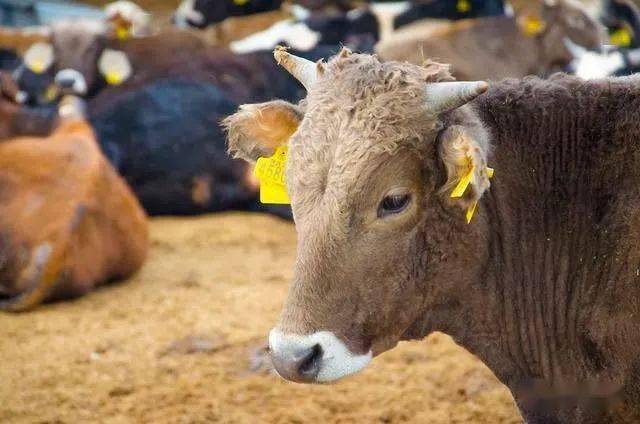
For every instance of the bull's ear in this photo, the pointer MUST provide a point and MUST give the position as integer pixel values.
(465, 160)
(257, 130)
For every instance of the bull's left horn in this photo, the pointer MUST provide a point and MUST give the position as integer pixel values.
(302, 69)
(445, 96)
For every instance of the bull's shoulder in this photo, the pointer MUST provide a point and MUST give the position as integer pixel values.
(562, 91)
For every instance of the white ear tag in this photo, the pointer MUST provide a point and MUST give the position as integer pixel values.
(39, 57)
(114, 66)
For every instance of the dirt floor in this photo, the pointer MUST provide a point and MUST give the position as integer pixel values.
(182, 343)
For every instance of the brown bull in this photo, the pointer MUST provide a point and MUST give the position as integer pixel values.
(399, 234)
(68, 222)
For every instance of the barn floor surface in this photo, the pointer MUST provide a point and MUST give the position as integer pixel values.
(182, 343)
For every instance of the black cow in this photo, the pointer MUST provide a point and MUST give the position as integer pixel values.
(165, 140)
(202, 13)
(451, 10)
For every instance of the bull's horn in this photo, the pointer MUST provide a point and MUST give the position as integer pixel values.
(445, 96)
(303, 70)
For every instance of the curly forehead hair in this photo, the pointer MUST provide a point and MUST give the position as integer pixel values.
(376, 105)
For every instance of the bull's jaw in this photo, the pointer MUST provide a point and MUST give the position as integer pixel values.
(320, 357)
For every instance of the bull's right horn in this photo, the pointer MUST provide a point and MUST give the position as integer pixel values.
(302, 69)
(446, 96)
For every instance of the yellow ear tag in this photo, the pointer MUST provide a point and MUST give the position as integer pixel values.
(36, 67)
(532, 25)
(51, 93)
(123, 33)
(113, 78)
(271, 173)
(621, 37)
(240, 2)
(463, 6)
(462, 186)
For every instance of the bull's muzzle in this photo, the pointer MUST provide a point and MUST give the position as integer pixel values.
(315, 358)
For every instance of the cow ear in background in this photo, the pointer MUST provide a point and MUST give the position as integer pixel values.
(39, 57)
(257, 130)
(114, 65)
(465, 161)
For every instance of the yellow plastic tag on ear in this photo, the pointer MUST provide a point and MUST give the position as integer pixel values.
(113, 78)
(463, 6)
(51, 93)
(490, 172)
(471, 210)
(240, 2)
(36, 67)
(533, 25)
(621, 37)
(271, 173)
(462, 186)
(123, 33)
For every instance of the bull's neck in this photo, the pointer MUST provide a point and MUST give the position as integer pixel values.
(557, 238)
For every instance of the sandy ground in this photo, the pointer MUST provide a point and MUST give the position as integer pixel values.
(181, 343)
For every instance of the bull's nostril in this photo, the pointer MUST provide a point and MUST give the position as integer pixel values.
(310, 365)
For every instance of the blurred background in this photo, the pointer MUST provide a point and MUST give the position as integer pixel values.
(114, 173)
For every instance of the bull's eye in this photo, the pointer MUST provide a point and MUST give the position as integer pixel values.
(393, 204)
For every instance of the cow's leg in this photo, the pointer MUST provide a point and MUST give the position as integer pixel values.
(39, 277)
(45, 271)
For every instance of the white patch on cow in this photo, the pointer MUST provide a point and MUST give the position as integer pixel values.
(71, 107)
(337, 360)
(78, 83)
(299, 13)
(186, 13)
(21, 97)
(386, 14)
(592, 65)
(508, 10)
(87, 25)
(295, 34)
(139, 19)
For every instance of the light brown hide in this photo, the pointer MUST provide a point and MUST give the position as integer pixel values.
(497, 47)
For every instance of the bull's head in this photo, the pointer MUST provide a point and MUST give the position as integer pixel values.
(71, 57)
(375, 151)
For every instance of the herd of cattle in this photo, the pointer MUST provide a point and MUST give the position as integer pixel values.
(152, 95)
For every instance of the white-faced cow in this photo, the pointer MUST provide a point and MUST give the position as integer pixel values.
(387, 163)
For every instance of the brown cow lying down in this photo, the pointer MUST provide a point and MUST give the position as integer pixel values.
(68, 222)
(386, 164)
(531, 43)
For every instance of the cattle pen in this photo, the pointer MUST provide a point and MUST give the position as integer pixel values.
(184, 341)
(417, 206)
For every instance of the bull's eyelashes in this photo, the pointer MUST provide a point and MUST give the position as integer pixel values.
(393, 204)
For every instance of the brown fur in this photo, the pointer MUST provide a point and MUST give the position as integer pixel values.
(543, 285)
(68, 222)
(496, 48)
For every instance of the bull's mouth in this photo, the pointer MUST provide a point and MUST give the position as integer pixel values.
(320, 357)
